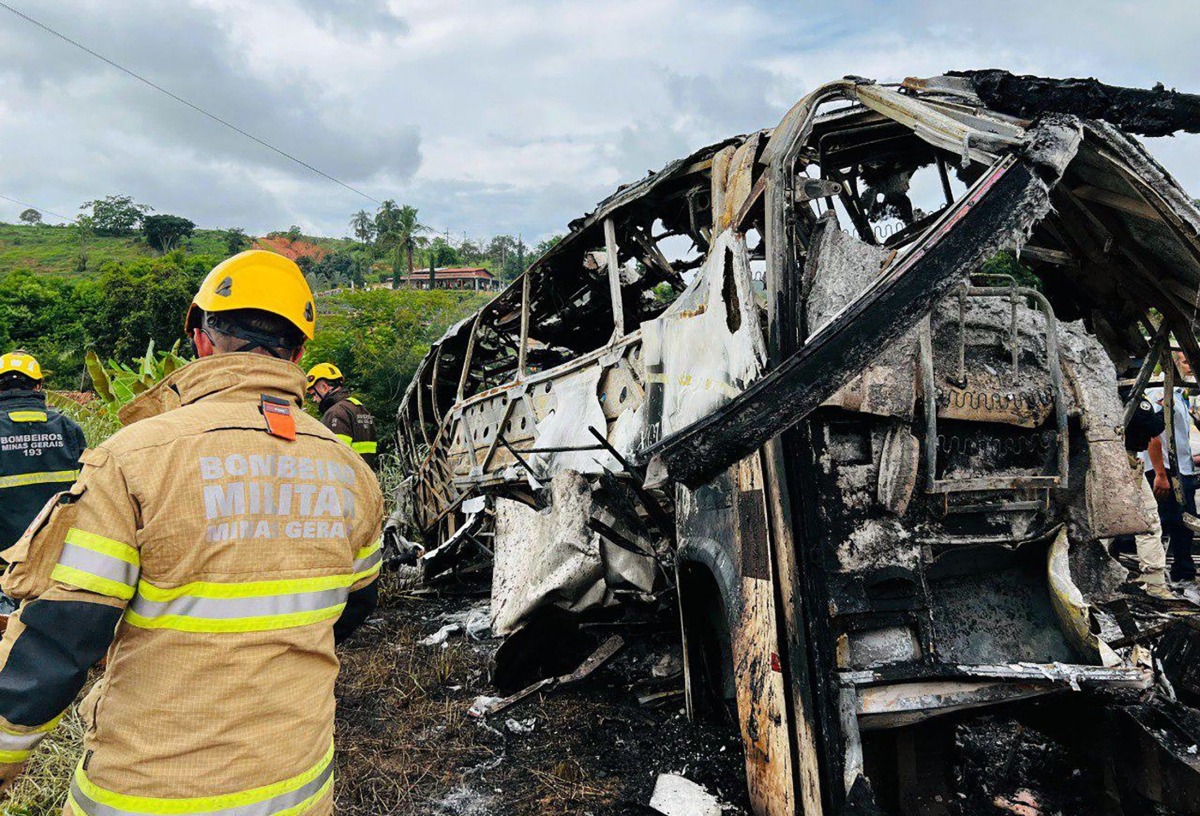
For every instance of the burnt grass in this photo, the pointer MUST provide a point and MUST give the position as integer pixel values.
(406, 744)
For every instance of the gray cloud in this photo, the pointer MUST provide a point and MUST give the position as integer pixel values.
(489, 117)
(86, 128)
(363, 17)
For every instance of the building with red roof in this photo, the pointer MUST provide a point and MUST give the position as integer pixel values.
(475, 278)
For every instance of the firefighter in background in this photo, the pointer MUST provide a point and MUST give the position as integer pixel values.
(234, 540)
(39, 449)
(1142, 439)
(1174, 509)
(342, 413)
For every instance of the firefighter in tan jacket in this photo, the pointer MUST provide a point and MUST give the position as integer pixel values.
(215, 549)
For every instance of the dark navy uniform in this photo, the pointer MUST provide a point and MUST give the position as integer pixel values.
(39, 456)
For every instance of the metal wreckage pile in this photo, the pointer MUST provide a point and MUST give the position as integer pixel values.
(879, 481)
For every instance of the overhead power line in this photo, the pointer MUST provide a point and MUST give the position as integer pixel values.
(39, 209)
(183, 101)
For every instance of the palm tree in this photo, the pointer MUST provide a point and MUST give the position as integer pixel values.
(364, 226)
(397, 227)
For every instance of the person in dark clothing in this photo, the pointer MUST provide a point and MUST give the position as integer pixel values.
(341, 412)
(1143, 436)
(39, 447)
(1183, 468)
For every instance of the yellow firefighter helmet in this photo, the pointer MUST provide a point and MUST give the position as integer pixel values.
(323, 371)
(21, 363)
(257, 279)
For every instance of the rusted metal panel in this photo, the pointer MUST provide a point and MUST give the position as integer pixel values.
(794, 640)
(739, 185)
(756, 654)
(719, 182)
(752, 525)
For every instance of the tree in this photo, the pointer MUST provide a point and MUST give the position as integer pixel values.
(545, 245)
(116, 311)
(235, 240)
(116, 214)
(470, 253)
(1007, 263)
(500, 247)
(444, 254)
(30, 216)
(387, 222)
(336, 267)
(294, 233)
(359, 269)
(164, 232)
(142, 300)
(49, 317)
(364, 226)
(397, 229)
(502, 253)
(85, 230)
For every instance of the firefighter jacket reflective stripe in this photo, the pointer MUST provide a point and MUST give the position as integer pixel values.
(102, 565)
(16, 746)
(39, 456)
(351, 421)
(257, 606)
(295, 795)
(231, 559)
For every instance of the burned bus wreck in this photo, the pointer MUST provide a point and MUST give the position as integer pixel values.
(783, 376)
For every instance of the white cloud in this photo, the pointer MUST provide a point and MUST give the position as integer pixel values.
(488, 115)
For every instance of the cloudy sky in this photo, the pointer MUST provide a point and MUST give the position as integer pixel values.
(488, 115)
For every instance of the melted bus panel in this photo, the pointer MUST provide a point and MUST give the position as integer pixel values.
(857, 386)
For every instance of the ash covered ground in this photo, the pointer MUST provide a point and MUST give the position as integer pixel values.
(406, 743)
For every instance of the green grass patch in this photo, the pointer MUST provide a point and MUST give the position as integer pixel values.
(55, 250)
(42, 789)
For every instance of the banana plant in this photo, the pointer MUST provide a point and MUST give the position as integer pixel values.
(118, 383)
(92, 416)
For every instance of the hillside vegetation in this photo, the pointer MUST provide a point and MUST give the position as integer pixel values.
(120, 276)
(55, 249)
(386, 245)
(129, 297)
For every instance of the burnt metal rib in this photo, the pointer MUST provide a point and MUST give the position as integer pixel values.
(1147, 112)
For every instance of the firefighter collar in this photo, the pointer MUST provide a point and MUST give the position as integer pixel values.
(32, 397)
(333, 398)
(238, 376)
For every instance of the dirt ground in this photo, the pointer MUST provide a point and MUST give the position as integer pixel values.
(407, 745)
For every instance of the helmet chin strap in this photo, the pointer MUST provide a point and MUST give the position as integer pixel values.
(254, 339)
